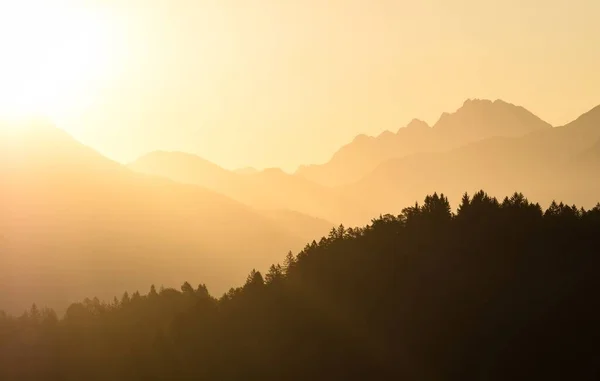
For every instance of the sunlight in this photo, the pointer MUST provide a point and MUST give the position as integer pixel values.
(53, 54)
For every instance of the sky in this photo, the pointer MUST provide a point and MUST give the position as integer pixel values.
(271, 83)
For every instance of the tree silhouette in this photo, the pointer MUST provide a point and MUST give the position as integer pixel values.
(499, 290)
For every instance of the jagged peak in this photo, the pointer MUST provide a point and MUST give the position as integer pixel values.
(476, 101)
(385, 134)
(500, 113)
(482, 102)
(442, 117)
(417, 123)
(362, 138)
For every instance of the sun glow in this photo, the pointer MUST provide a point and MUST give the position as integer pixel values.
(52, 55)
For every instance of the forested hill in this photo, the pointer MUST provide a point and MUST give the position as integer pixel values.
(499, 290)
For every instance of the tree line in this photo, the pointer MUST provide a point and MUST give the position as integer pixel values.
(498, 290)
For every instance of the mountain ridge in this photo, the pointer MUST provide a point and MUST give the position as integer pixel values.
(269, 189)
(73, 221)
(476, 119)
(544, 163)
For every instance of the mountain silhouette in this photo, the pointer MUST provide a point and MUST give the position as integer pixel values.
(303, 225)
(591, 156)
(246, 171)
(186, 168)
(496, 289)
(415, 124)
(475, 120)
(543, 163)
(73, 222)
(270, 189)
(481, 118)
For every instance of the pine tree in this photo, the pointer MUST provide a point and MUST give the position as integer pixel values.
(187, 288)
(152, 292)
(275, 274)
(289, 262)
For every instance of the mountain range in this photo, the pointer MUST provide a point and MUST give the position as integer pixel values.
(74, 223)
(475, 120)
(549, 163)
(486, 144)
(270, 189)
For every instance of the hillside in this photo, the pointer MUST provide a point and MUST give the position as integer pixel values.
(307, 227)
(590, 157)
(246, 171)
(541, 163)
(73, 223)
(499, 290)
(270, 189)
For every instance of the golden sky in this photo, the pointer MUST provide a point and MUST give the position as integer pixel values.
(281, 83)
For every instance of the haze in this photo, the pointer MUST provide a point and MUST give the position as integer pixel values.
(209, 77)
(308, 190)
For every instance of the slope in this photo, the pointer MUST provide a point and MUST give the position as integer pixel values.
(73, 223)
(475, 120)
(270, 189)
(541, 164)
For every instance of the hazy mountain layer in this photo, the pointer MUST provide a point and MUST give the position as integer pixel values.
(475, 120)
(73, 223)
(484, 145)
(497, 289)
(271, 189)
(546, 164)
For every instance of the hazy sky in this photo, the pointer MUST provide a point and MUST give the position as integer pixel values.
(280, 83)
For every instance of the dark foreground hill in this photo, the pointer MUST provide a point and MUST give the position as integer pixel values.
(497, 291)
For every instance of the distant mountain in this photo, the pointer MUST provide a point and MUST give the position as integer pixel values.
(186, 168)
(246, 171)
(475, 120)
(591, 156)
(309, 228)
(481, 118)
(545, 163)
(587, 161)
(262, 190)
(270, 189)
(73, 223)
(577, 136)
